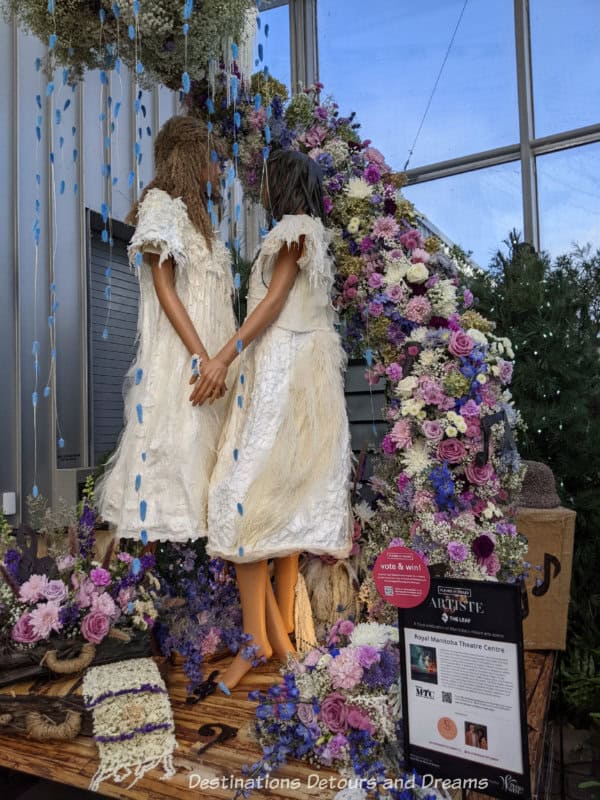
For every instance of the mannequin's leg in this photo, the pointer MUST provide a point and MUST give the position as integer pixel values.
(276, 629)
(252, 582)
(286, 575)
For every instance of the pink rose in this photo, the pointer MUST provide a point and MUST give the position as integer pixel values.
(473, 427)
(55, 590)
(470, 409)
(23, 632)
(95, 627)
(375, 309)
(86, 593)
(100, 577)
(460, 344)
(306, 714)
(451, 450)
(395, 293)
(351, 280)
(350, 293)
(411, 239)
(479, 475)
(65, 562)
(433, 430)
(376, 157)
(333, 713)
(375, 280)
(491, 564)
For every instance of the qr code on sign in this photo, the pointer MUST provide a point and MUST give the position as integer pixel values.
(388, 591)
(446, 697)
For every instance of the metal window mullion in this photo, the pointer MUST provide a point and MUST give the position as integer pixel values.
(526, 123)
(304, 48)
(16, 200)
(469, 163)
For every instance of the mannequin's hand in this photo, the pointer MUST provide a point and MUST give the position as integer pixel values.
(211, 383)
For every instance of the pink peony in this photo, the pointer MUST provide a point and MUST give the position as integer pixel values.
(55, 590)
(375, 309)
(95, 627)
(394, 371)
(33, 589)
(479, 476)
(418, 309)
(433, 430)
(344, 670)
(334, 711)
(401, 434)
(23, 631)
(451, 450)
(100, 577)
(44, 619)
(460, 344)
(385, 228)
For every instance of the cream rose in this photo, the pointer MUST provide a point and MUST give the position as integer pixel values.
(406, 386)
(417, 273)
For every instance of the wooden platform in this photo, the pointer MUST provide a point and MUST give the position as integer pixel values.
(75, 762)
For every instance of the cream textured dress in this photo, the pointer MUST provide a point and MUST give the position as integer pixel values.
(281, 484)
(167, 449)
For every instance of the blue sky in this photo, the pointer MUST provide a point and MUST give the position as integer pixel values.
(381, 60)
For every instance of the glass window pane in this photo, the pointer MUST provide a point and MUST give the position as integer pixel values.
(475, 210)
(569, 200)
(276, 43)
(382, 61)
(565, 52)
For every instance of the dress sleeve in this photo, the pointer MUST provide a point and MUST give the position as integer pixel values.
(315, 260)
(160, 228)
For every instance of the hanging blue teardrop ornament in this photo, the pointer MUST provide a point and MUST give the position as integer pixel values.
(138, 376)
(61, 443)
(242, 379)
(257, 101)
(237, 119)
(105, 334)
(261, 52)
(239, 345)
(237, 281)
(46, 391)
(34, 399)
(185, 83)
(136, 566)
(236, 454)
(144, 536)
(143, 509)
(35, 491)
(234, 51)
(138, 482)
(52, 41)
(369, 356)
(240, 552)
(240, 401)
(140, 413)
(240, 509)
(210, 106)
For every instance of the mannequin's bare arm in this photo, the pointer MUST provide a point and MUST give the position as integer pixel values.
(164, 284)
(266, 312)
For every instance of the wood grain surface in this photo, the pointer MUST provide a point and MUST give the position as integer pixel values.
(75, 762)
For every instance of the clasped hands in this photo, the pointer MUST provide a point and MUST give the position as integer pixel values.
(210, 383)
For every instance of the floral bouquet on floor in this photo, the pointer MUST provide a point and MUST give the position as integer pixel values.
(339, 706)
(66, 610)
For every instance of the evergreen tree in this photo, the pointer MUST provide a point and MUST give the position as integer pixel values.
(551, 313)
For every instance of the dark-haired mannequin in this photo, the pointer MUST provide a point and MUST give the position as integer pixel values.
(281, 481)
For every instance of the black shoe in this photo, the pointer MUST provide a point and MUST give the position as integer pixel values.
(204, 689)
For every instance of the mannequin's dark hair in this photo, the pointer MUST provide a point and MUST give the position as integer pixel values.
(294, 185)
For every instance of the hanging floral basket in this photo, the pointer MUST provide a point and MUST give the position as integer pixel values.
(158, 39)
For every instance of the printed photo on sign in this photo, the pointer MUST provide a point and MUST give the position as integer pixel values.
(476, 735)
(423, 663)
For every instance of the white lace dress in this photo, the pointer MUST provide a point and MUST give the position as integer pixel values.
(281, 483)
(157, 479)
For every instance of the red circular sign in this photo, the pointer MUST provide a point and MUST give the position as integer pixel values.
(401, 577)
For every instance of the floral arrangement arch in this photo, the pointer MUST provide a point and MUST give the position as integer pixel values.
(449, 473)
